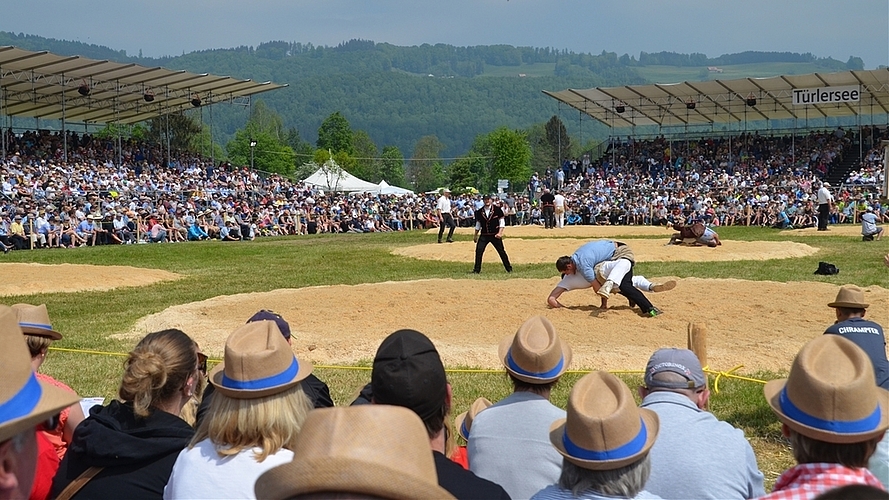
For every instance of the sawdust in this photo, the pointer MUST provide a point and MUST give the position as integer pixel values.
(535, 251)
(29, 279)
(760, 325)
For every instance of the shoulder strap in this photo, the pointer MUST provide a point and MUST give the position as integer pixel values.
(75, 486)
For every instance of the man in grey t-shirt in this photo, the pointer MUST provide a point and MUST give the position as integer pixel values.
(717, 461)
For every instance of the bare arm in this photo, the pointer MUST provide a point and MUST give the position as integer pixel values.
(553, 299)
(75, 416)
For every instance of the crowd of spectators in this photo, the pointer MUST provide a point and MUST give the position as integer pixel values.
(110, 192)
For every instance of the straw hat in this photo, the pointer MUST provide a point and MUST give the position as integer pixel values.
(850, 296)
(376, 450)
(603, 429)
(535, 354)
(463, 422)
(34, 320)
(258, 362)
(25, 401)
(830, 394)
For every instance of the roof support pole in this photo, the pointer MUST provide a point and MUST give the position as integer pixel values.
(117, 122)
(64, 132)
(212, 152)
(2, 132)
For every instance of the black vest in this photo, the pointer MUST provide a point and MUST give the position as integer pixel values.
(491, 223)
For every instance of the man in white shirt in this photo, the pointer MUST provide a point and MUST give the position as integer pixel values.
(825, 203)
(869, 229)
(559, 201)
(445, 218)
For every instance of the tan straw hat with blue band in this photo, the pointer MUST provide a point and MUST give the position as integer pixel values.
(34, 320)
(831, 393)
(258, 362)
(603, 428)
(535, 354)
(24, 400)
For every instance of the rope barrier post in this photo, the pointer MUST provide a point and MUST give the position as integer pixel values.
(697, 341)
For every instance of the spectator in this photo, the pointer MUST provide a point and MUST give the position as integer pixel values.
(833, 414)
(39, 335)
(515, 428)
(407, 371)
(850, 309)
(375, 451)
(869, 229)
(29, 402)
(253, 421)
(316, 390)
(463, 424)
(717, 461)
(605, 441)
(128, 447)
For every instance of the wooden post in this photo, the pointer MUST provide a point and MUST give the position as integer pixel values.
(697, 341)
(748, 215)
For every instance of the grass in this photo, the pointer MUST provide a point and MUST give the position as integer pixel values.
(87, 319)
(675, 74)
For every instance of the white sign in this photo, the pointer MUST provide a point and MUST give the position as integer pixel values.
(826, 95)
(502, 183)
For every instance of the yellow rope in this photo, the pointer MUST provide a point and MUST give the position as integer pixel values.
(729, 374)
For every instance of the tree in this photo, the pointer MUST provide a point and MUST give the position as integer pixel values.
(461, 174)
(511, 156)
(392, 166)
(366, 165)
(558, 140)
(425, 170)
(302, 149)
(266, 120)
(335, 134)
(268, 155)
(177, 128)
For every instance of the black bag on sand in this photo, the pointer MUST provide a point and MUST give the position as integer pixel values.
(826, 269)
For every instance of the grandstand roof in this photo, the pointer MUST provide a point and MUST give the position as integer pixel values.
(725, 101)
(46, 86)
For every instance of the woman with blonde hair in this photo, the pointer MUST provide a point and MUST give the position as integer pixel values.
(127, 449)
(255, 416)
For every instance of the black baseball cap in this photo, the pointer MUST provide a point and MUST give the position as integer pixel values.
(408, 372)
(266, 315)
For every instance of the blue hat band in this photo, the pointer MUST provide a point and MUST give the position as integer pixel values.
(263, 383)
(866, 424)
(463, 429)
(521, 371)
(628, 450)
(22, 402)
(36, 325)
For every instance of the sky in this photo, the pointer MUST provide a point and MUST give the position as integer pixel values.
(712, 27)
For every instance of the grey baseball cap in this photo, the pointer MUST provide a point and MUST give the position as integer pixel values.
(679, 361)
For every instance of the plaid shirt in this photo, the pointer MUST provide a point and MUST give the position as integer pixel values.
(806, 481)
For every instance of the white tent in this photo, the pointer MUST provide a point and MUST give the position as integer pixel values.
(334, 178)
(385, 188)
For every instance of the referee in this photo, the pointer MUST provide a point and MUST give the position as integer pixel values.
(489, 221)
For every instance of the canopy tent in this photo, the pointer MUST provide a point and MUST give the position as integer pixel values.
(385, 188)
(730, 101)
(337, 179)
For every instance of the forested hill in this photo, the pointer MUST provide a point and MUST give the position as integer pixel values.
(399, 94)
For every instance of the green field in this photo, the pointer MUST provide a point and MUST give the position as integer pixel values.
(676, 74)
(87, 319)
